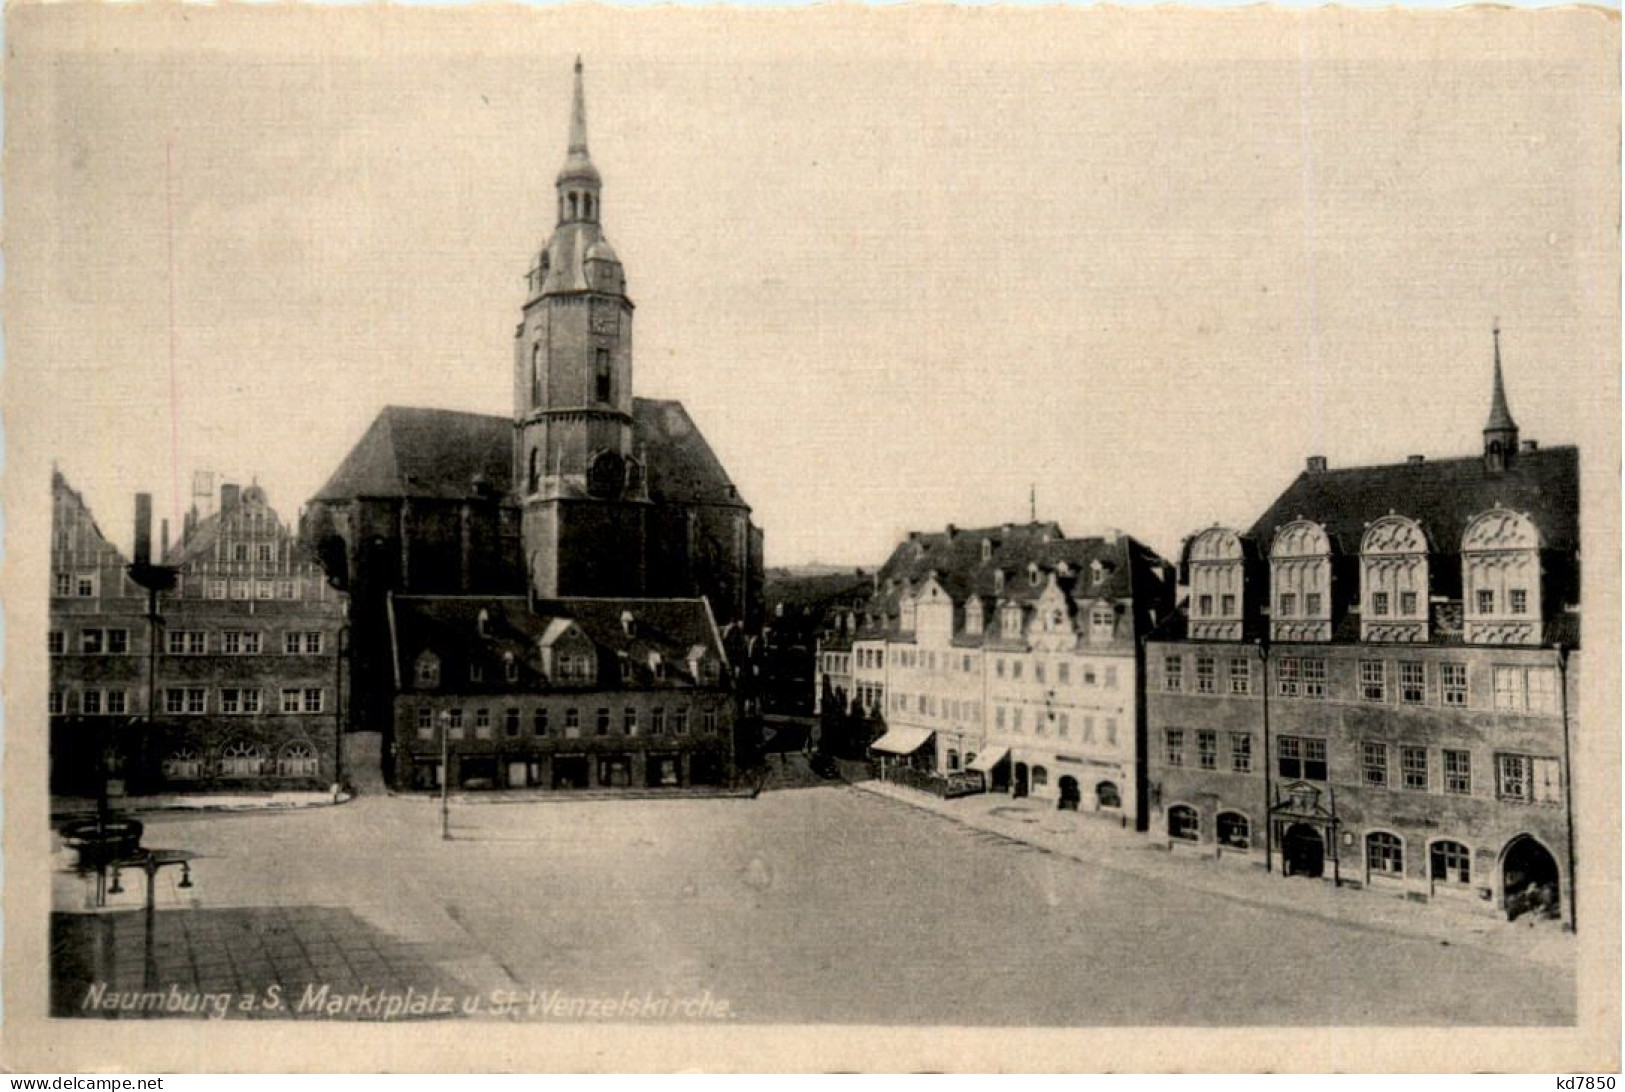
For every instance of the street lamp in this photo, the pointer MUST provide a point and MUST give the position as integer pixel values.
(445, 775)
(1269, 758)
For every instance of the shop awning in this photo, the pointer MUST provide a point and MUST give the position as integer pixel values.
(902, 741)
(984, 762)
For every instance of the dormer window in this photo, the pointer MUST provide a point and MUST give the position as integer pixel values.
(626, 669)
(1102, 623)
(998, 581)
(628, 623)
(510, 667)
(973, 617)
(1301, 566)
(1012, 620)
(987, 550)
(476, 673)
(1500, 577)
(426, 671)
(1032, 576)
(1393, 580)
(1097, 571)
(1216, 568)
(484, 623)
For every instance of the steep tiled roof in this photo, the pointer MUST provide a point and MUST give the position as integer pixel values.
(442, 454)
(1442, 496)
(449, 626)
(437, 453)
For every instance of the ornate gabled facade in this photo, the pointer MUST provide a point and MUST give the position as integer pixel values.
(585, 490)
(1393, 705)
(227, 676)
(1008, 658)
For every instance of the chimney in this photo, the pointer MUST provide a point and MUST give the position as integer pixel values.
(229, 495)
(1531, 445)
(163, 538)
(1413, 460)
(143, 530)
(1317, 464)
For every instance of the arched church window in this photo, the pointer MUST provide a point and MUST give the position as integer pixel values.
(586, 205)
(573, 200)
(604, 386)
(535, 468)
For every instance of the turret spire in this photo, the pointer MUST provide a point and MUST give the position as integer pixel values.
(578, 116)
(1501, 432)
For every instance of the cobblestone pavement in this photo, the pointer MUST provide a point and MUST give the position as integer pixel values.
(812, 905)
(1101, 843)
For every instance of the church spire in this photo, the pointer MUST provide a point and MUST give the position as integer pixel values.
(1501, 432)
(578, 181)
(578, 116)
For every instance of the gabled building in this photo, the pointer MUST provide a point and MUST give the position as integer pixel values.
(224, 673)
(1013, 653)
(1374, 683)
(560, 694)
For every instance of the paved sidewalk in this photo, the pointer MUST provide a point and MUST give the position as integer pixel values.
(74, 807)
(1095, 841)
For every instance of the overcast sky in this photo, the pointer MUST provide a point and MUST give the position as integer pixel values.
(900, 267)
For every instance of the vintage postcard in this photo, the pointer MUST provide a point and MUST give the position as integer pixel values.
(1078, 566)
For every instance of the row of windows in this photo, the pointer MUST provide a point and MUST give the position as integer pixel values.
(1517, 689)
(241, 700)
(1518, 778)
(1516, 601)
(241, 758)
(457, 722)
(116, 642)
(1011, 719)
(969, 712)
(85, 586)
(1451, 862)
(93, 703)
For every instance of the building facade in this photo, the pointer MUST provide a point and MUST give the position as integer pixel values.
(219, 668)
(583, 491)
(1375, 683)
(1013, 653)
(561, 694)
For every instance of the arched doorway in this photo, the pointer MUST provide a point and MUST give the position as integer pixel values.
(1019, 786)
(1529, 880)
(1071, 796)
(1302, 851)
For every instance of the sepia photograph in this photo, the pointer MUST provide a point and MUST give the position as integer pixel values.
(1078, 569)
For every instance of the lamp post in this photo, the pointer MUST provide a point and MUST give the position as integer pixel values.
(445, 775)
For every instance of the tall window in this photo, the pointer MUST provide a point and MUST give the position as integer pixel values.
(603, 721)
(1206, 675)
(1486, 601)
(1288, 677)
(1184, 823)
(1374, 763)
(1379, 603)
(1207, 750)
(1174, 750)
(538, 722)
(1451, 863)
(1384, 854)
(1240, 675)
(657, 721)
(629, 720)
(1407, 603)
(1453, 684)
(1289, 604)
(1314, 678)
(1204, 605)
(1413, 682)
(1518, 601)
(1374, 680)
(1311, 604)
(1241, 752)
(1458, 773)
(1413, 767)
(1173, 673)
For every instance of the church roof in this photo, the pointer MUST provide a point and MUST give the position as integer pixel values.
(443, 454)
(1442, 496)
(426, 453)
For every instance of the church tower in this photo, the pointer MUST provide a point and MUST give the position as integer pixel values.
(580, 485)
